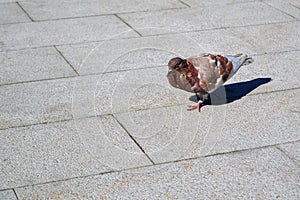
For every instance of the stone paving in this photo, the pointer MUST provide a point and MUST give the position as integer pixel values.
(87, 112)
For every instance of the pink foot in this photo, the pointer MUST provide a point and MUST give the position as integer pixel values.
(197, 106)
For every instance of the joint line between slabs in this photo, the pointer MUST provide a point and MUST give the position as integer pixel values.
(25, 11)
(122, 20)
(132, 138)
(184, 3)
(141, 167)
(60, 53)
(287, 155)
(294, 5)
(15, 194)
(279, 10)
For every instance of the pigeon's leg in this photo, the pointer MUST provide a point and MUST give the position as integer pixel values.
(201, 99)
(205, 97)
(198, 97)
(197, 106)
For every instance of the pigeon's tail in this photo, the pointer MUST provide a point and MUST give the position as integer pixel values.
(238, 60)
(243, 59)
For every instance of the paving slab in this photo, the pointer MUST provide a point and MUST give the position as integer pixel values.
(165, 133)
(62, 99)
(152, 51)
(54, 100)
(285, 6)
(57, 9)
(68, 31)
(222, 41)
(127, 54)
(193, 19)
(57, 151)
(253, 121)
(137, 90)
(278, 66)
(136, 53)
(270, 38)
(257, 174)
(12, 13)
(7, 194)
(170, 133)
(124, 91)
(295, 3)
(33, 64)
(258, 39)
(37, 102)
(202, 3)
(292, 149)
(7, 1)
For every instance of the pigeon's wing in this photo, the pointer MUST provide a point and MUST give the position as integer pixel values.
(213, 70)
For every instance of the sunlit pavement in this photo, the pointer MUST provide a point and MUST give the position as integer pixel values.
(87, 111)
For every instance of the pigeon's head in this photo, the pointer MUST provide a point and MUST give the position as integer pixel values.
(177, 74)
(177, 64)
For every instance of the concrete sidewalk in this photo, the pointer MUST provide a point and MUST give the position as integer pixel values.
(87, 112)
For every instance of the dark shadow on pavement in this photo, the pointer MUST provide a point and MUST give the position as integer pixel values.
(232, 92)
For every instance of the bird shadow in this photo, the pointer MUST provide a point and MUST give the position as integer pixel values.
(232, 92)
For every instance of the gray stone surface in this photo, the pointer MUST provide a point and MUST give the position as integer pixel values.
(165, 133)
(222, 41)
(134, 53)
(204, 3)
(188, 19)
(289, 7)
(270, 38)
(278, 66)
(57, 151)
(295, 3)
(56, 100)
(119, 130)
(37, 102)
(12, 13)
(6, 1)
(126, 54)
(136, 90)
(33, 64)
(251, 39)
(7, 194)
(256, 174)
(157, 50)
(68, 31)
(292, 149)
(170, 133)
(253, 121)
(56, 9)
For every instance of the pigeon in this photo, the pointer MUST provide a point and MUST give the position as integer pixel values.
(204, 73)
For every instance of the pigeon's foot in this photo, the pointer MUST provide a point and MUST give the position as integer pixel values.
(197, 106)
